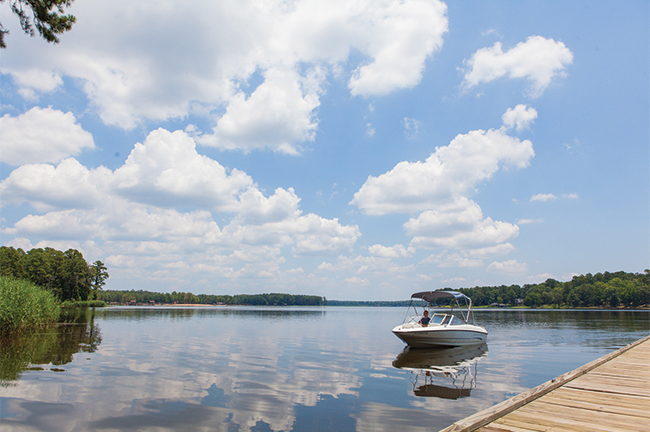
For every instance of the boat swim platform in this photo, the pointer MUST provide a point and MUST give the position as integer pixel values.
(611, 393)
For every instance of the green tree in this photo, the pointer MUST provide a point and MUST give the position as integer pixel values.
(611, 296)
(11, 262)
(38, 268)
(557, 296)
(76, 277)
(572, 299)
(533, 299)
(46, 16)
(98, 276)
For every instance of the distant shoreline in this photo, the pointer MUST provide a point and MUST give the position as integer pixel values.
(351, 304)
(618, 291)
(164, 304)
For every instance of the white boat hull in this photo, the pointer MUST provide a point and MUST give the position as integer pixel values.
(417, 336)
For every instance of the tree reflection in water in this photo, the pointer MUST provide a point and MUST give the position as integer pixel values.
(47, 348)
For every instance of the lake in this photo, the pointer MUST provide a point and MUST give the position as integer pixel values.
(284, 368)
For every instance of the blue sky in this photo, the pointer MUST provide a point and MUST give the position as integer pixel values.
(355, 150)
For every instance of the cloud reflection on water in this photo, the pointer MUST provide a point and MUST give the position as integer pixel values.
(276, 369)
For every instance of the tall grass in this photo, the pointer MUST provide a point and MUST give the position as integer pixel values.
(24, 306)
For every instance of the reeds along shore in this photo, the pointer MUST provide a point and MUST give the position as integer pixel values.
(25, 306)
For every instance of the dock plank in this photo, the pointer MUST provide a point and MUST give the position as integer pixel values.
(631, 373)
(516, 426)
(563, 413)
(622, 404)
(573, 421)
(611, 393)
(609, 388)
(609, 378)
(493, 427)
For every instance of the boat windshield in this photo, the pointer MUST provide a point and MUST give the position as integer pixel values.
(428, 301)
(437, 318)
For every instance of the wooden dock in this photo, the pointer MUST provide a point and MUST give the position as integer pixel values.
(611, 393)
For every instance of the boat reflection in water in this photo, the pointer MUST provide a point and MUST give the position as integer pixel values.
(448, 373)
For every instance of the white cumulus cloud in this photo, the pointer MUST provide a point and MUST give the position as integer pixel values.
(402, 35)
(35, 81)
(217, 51)
(500, 249)
(439, 189)
(41, 135)
(446, 259)
(450, 172)
(47, 187)
(543, 197)
(396, 251)
(519, 117)
(277, 115)
(539, 60)
(510, 266)
(550, 197)
(160, 210)
(458, 229)
(166, 170)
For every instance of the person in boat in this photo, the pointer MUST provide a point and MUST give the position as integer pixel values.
(425, 319)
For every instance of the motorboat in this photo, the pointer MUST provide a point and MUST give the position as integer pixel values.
(448, 373)
(445, 328)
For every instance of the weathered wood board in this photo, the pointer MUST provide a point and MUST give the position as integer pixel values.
(609, 394)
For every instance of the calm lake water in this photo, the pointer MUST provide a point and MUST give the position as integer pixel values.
(284, 369)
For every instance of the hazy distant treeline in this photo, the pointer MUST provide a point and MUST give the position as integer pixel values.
(602, 289)
(599, 290)
(367, 303)
(273, 299)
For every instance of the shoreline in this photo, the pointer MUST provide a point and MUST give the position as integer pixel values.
(524, 308)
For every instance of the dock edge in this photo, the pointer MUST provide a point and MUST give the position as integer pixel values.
(488, 415)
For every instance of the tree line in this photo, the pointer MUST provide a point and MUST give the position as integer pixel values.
(599, 290)
(66, 275)
(373, 303)
(271, 299)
